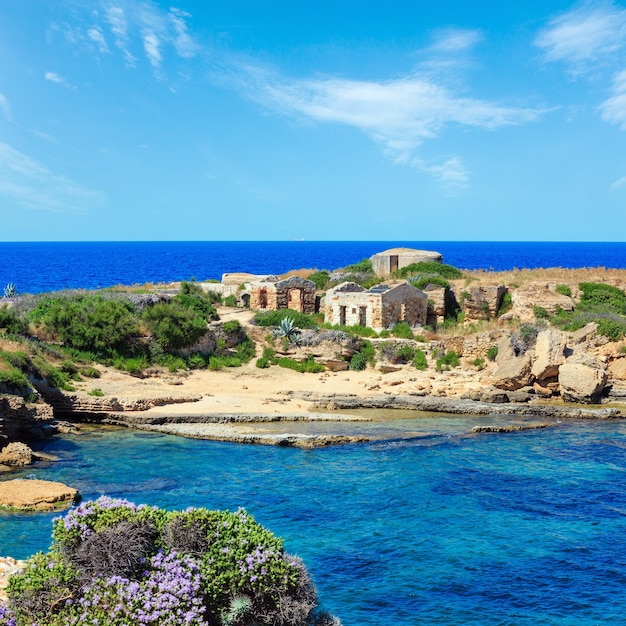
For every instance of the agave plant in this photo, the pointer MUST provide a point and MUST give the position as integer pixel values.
(287, 329)
(10, 291)
(240, 606)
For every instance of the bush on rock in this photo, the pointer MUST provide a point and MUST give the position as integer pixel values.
(115, 563)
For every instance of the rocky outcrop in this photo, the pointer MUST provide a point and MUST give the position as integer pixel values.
(582, 381)
(36, 495)
(16, 454)
(549, 354)
(526, 298)
(22, 420)
(514, 372)
(8, 567)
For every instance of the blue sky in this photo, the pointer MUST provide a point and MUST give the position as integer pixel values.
(247, 120)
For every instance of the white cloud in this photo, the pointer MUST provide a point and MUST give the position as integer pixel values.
(97, 36)
(398, 114)
(451, 40)
(30, 184)
(584, 35)
(151, 46)
(183, 42)
(116, 19)
(613, 109)
(53, 77)
(4, 107)
(621, 182)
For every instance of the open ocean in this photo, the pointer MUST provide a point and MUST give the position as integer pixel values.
(443, 528)
(39, 267)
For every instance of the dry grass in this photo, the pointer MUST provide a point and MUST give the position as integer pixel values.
(301, 273)
(559, 275)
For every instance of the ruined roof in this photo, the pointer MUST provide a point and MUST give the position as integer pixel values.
(408, 251)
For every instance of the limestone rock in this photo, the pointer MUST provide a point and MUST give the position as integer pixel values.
(39, 495)
(538, 294)
(583, 335)
(513, 373)
(582, 381)
(16, 454)
(8, 567)
(617, 369)
(549, 353)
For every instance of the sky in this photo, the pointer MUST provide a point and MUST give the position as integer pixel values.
(404, 120)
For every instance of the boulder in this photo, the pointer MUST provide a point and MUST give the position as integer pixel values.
(527, 297)
(513, 373)
(583, 335)
(582, 381)
(481, 302)
(617, 369)
(16, 454)
(38, 495)
(549, 353)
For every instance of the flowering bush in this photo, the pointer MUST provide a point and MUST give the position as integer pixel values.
(113, 563)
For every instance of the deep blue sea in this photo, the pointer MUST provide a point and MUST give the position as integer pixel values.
(447, 528)
(520, 529)
(39, 267)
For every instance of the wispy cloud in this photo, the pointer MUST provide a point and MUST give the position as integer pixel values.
(53, 77)
(584, 36)
(32, 185)
(613, 109)
(5, 108)
(398, 114)
(618, 184)
(453, 40)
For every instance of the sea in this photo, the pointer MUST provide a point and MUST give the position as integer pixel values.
(434, 525)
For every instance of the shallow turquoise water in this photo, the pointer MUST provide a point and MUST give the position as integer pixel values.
(525, 528)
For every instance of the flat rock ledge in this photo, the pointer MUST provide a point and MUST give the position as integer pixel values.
(36, 495)
(459, 407)
(510, 428)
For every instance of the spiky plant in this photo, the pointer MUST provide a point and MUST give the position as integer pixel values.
(240, 606)
(287, 329)
(10, 291)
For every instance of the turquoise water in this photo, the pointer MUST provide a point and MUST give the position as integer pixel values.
(525, 528)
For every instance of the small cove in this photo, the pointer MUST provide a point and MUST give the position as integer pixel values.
(440, 527)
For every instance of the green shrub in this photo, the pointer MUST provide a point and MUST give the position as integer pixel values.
(54, 376)
(540, 313)
(353, 331)
(231, 327)
(321, 279)
(405, 354)
(132, 365)
(308, 365)
(96, 391)
(402, 330)
(420, 338)
(230, 300)
(420, 361)
(448, 360)
(111, 562)
(14, 379)
(11, 322)
(87, 322)
(564, 290)
(594, 294)
(479, 363)
(173, 326)
(423, 282)
(431, 268)
(363, 266)
(492, 353)
(90, 372)
(358, 361)
(262, 363)
(614, 329)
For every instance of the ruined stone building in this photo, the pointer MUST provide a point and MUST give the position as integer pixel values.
(378, 308)
(289, 293)
(387, 262)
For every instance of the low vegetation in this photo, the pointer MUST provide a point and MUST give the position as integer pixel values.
(113, 563)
